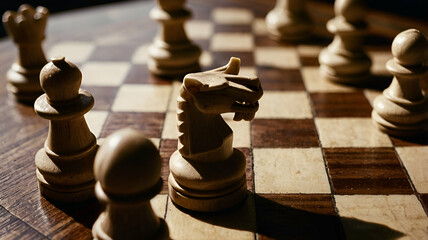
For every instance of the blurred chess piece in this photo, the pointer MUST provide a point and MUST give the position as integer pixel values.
(64, 165)
(289, 21)
(172, 54)
(128, 168)
(345, 60)
(402, 110)
(27, 29)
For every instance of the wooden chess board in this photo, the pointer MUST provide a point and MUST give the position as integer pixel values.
(316, 166)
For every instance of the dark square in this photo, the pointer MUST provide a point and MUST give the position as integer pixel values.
(349, 104)
(366, 171)
(424, 198)
(166, 148)
(104, 96)
(139, 73)
(235, 28)
(113, 53)
(149, 123)
(297, 216)
(288, 133)
(266, 41)
(222, 58)
(309, 61)
(280, 79)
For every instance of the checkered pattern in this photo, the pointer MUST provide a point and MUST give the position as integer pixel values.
(315, 163)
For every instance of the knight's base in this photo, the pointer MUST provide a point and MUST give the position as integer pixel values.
(399, 130)
(66, 194)
(208, 204)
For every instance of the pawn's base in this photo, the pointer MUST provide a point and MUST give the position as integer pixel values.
(100, 234)
(207, 204)
(352, 79)
(399, 130)
(172, 72)
(67, 194)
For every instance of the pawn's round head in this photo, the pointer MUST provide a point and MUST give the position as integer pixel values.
(410, 48)
(60, 79)
(127, 163)
(351, 10)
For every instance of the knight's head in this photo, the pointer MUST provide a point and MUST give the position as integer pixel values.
(222, 90)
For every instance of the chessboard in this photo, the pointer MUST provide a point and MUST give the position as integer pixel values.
(317, 168)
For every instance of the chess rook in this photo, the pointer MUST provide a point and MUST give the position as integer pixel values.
(172, 54)
(207, 173)
(402, 110)
(289, 21)
(27, 29)
(64, 165)
(128, 168)
(344, 60)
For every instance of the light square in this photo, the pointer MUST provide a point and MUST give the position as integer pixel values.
(402, 214)
(350, 132)
(199, 29)
(232, 42)
(169, 130)
(415, 160)
(182, 225)
(248, 71)
(279, 57)
(95, 121)
(259, 27)
(379, 59)
(175, 92)
(290, 170)
(315, 83)
(104, 73)
(159, 204)
(281, 104)
(141, 54)
(241, 131)
(75, 52)
(232, 16)
(309, 50)
(142, 98)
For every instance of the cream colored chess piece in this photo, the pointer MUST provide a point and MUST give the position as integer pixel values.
(289, 21)
(402, 110)
(64, 165)
(128, 168)
(172, 54)
(344, 60)
(27, 29)
(207, 173)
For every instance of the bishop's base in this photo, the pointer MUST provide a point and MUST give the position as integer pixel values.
(399, 130)
(208, 204)
(67, 194)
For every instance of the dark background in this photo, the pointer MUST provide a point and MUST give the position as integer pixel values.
(416, 9)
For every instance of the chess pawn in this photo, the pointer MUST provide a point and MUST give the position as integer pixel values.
(344, 60)
(289, 21)
(172, 54)
(26, 27)
(64, 165)
(128, 168)
(402, 109)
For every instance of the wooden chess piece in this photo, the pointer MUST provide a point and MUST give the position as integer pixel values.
(128, 168)
(207, 173)
(344, 60)
(64, 165)
(289, 21)
(402, 109)
(27, 29)
(172, 54)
